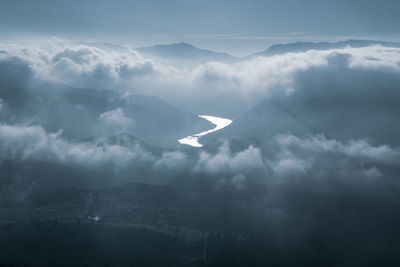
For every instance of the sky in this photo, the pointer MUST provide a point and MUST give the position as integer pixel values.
(239, 27)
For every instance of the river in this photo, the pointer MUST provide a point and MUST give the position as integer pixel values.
(193, 140)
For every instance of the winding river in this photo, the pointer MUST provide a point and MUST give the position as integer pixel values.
(193, 140)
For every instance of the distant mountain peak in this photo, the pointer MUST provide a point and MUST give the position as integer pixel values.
(171, 45)
(301, 46)
(183, 44)
(183, 50)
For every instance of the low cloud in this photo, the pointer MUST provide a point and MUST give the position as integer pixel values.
(224, 160)
(115, 122)
(172, 160)
(328, 94)
(353, 148)
(127, 70)
(34, 143)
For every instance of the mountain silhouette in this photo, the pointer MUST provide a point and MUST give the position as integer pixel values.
(305, 46)
(184, 54)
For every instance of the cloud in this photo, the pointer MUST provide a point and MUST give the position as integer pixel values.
(34, 143)
(172, 160)
(353, 148)
(80, 65)
(223, 160)
(92, 66)
(114, 122)
(116, 117)
(291, 165)
(325, 160)
(329, 93)
(127, 70)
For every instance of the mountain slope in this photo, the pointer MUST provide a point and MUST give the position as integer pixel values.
(146, 117)
(337, 101)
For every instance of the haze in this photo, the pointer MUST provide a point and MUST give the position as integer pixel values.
(199, 133)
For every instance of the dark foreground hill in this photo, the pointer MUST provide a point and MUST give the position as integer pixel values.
(195, 224)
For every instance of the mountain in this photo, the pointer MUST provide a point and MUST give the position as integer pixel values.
(160, 123)
(261, 123)
(362, 105)
(183, 50)
(145, 117)
(305, 119)
(184, 54)
(305, 46)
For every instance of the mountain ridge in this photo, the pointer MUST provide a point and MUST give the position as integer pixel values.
(183, 50)
(278, 49)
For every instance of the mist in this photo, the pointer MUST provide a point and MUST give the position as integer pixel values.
(163, 151)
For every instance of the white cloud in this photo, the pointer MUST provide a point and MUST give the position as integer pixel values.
(83, 65)
(115, 122)
(291, 165)
(33, 142)
(353, 148)
(116, 117)
(247, 160)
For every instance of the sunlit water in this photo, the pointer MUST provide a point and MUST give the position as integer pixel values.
(193, 140)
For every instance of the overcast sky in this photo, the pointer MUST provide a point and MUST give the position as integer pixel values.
(238, 26)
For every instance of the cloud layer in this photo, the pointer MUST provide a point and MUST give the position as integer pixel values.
(93, 136)
(128, 71)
